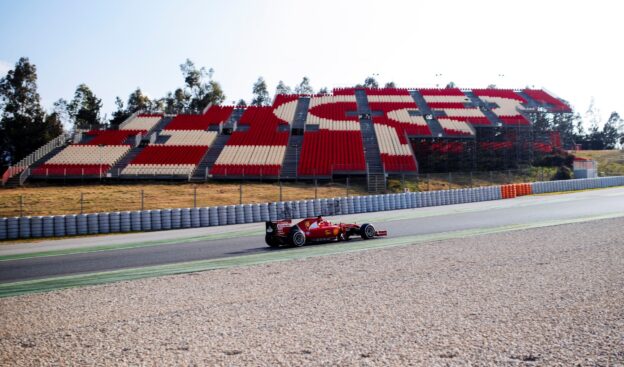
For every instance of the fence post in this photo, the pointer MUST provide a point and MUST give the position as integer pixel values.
(471, 182)
(194, 196)
(315, 189)
(450, 180)
(81, 203)
(347, 186)
(280, 185)
(142, 200)
(428, 182)
(403, 182)
(21, 205)
(240, 193)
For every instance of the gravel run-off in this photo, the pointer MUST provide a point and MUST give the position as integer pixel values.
(548, 296)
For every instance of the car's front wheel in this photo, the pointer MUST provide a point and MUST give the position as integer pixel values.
(297, 238)
(367, 231)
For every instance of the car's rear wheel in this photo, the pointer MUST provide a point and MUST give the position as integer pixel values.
(367, 231)
(271, 241)
(297, 237)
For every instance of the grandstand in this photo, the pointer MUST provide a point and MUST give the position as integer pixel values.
(352, 131)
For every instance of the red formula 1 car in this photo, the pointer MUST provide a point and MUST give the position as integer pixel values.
(283, 232)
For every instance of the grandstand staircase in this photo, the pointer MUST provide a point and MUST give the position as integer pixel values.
(15, 180)
(161, 124)
(116, 170)
(376, 178)
(295, 141)
(486, 111)
(433, 123)
(209, 159)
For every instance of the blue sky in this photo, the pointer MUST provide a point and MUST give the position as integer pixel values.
(571, 48)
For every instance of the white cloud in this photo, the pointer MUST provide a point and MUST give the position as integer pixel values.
(4, 67)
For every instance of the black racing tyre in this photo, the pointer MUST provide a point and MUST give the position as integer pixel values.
(271, 241)
(367, 231)
(296, 237)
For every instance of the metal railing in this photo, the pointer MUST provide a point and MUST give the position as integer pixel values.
(20, 167)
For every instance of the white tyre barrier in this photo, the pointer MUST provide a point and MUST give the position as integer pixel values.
(124, 222)
(255, 212)
(146, 220)
(317, 207)
(103, 223)
(48, 226)
(59, 226)
(265, 214)
(213, 215)
(71, 228)
(3, 229)
(248, 211)
(239, 211)
(13, 228)
(273, 211)
(92, 224)
(195, 219)
(135, 220)
(165, 219)
(156, 219)
(24, 227)
(114, 222)
(36, 227)
(186, 217)
(280, 210)
(176, 218)
(82, 224)
(222, 212)
(204, 217)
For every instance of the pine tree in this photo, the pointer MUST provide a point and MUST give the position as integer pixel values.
(24, 126)
(84, 109)
(304, 87)
(390, 85)
(260, 93)
(282, 88)
(371, 82)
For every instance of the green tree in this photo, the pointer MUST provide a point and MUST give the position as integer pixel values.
(390, 85)
(450, 85)
(241, 103)
(610, 131)
(201, 89)
(137, 101)
(260, 93)
(282, 88)
(304, 87)
(84, 108)
(371, 82)
(323, 90)
(120, 114)
(24, 126)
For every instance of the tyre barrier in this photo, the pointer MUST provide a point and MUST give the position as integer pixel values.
(176, 218)
(204, 217)
(92, 224)
(239, 211)
(156, 221)
(213, 216)
(230, 215)
(124, 222)
(222, 213)
(186, 217)
(135, 221)
(163, 219)
(248, 210)
(36, 227)
(264, 212)
(114, 223)
(24, 227)
(3, 229)
(13, 228)
(48, 226)
(71, 228)
(146, 220)
(82, 225)
(195, 219)
(59, 226)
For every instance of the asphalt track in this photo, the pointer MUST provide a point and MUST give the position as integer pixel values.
(83, 255)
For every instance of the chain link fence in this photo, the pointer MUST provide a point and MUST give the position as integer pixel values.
(55, 200)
